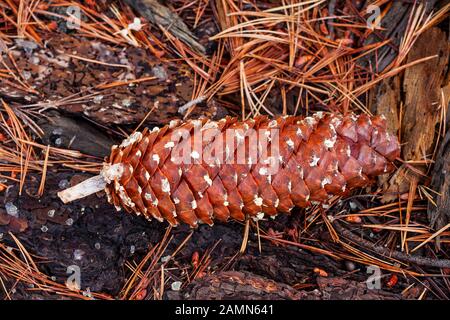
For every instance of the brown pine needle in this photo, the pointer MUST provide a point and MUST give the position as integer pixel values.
(245, 237)
(123, 83)
(44, 172)
(97, 62)
(434, 235)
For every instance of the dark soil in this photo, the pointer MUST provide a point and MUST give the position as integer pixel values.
(91, 235)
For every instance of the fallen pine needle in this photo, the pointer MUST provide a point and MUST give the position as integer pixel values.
(434, 235)
(44, 172)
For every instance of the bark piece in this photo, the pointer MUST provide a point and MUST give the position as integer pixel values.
(394, 23)
(160, 15)
(64, 132)
(422, 94)
(439, 215)
(230, 285)
(233, 285)
(421, 85)
(343, 289)
(317, 157)
(388, 99)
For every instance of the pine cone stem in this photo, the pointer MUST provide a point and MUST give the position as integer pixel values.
(201, 170)
(83, 189)
(91, 185)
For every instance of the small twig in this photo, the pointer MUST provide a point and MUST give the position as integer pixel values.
(423, 261)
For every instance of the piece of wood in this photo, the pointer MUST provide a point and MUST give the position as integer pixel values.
(240, 285)
(248, 286)
(64, 132)
(160, 15)
(387, 102)
(439, 214)
(388, 99)
(422, 88)
(394, 24)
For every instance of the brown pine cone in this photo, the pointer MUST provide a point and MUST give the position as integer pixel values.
(317, 157)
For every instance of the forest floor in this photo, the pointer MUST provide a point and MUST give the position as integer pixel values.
(77, 77)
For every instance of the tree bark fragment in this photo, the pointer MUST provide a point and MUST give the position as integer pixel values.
(247, 286)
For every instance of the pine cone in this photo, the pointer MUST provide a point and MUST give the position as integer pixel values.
(317, 157)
